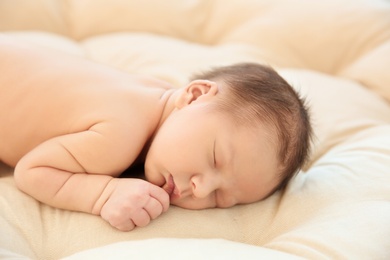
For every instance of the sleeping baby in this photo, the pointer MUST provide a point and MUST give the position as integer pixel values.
(71, 127)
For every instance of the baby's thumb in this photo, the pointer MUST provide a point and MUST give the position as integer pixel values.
(161, 195)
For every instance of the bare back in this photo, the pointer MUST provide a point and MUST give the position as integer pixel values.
(44, 94)
(70, 127)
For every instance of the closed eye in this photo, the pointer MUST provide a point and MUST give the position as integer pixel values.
(215, 161)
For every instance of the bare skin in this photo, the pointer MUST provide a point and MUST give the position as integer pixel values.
(74, 126)
(90, 123)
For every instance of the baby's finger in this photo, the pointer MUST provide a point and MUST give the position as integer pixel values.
(141, 219)
(154, 208)
(161, 196)
(126, 226)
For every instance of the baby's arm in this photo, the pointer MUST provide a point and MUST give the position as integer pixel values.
(77, 172)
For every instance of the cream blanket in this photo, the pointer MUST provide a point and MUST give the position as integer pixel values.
(336, 53)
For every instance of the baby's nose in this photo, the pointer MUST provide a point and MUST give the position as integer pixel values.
(203, 186)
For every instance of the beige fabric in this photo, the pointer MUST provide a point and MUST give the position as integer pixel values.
(191, 249)
(336, 53)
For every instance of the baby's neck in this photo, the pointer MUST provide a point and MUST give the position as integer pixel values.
(167, 100)
(168, 105)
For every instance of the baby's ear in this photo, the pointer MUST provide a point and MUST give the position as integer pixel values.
(197, 90)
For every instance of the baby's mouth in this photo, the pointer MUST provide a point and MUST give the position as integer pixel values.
(169, 185)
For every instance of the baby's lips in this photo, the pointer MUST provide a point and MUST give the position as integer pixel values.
(169, 185)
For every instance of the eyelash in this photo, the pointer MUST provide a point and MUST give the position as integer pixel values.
(215, 161)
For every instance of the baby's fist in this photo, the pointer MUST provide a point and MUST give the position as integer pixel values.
(134, 202)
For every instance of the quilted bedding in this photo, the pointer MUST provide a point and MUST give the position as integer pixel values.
(336, 53)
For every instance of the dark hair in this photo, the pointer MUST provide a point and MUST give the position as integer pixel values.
(257, 92)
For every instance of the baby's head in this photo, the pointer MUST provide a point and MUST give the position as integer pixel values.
(255, 94)
(237, 134)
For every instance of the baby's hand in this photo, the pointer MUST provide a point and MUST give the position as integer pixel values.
(134, 202)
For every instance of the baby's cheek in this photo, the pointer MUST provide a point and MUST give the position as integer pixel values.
(153, 176)
(190, 203)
